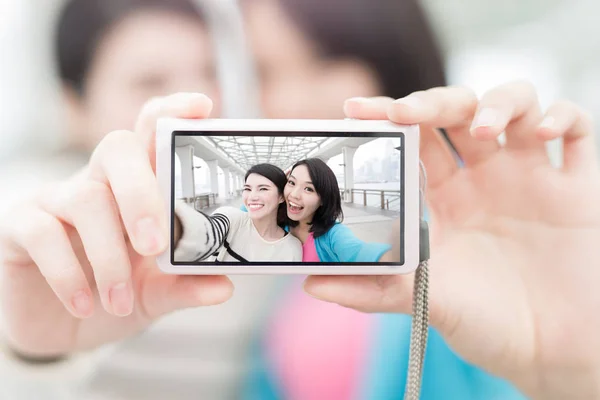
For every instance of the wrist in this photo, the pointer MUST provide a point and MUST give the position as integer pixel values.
(29, 349)
(12, 351)
(34, 359)
(574, 384)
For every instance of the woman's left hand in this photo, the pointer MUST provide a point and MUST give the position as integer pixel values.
(515, 260)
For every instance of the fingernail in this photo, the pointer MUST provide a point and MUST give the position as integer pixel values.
(149, 235)
(82, 303)
(312, 289)
(485, 118)
(121, 299)
(410, 101)
(548, 122)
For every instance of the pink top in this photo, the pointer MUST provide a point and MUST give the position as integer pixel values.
(319, 349)
(309, 251)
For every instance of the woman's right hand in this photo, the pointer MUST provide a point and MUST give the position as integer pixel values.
(78, 259)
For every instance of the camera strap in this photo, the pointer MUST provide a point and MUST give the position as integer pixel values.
(420, 312)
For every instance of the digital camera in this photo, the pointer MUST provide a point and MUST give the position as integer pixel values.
(311, 197)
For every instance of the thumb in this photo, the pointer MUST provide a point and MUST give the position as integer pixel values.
(387, 293)
(163, 294)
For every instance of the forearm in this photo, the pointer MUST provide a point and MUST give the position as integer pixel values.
(197, 235)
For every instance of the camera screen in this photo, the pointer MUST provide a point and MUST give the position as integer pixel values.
(289, 198)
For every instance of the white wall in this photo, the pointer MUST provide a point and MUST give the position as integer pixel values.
(28, 102)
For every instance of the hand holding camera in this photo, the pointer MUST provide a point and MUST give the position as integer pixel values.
(514, 260)
(79, 258)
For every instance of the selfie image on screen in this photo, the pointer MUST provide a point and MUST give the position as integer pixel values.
(288, 198)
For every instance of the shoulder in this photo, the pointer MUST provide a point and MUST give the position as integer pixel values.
(236, 218)
(293, 240)
(338, 235)
(293, 246)
(336, 231)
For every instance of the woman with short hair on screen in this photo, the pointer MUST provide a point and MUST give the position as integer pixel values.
(234, 235)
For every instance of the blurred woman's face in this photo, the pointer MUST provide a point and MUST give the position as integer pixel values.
(155, 53)
(150, 53)
(295, 81)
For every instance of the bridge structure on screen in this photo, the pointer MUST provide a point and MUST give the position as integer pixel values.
(232, 156)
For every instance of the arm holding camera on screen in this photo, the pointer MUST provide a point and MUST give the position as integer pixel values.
(198, 235)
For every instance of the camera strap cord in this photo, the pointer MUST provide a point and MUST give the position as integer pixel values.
(420, 317)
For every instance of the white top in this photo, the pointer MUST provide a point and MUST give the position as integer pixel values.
(203, 235)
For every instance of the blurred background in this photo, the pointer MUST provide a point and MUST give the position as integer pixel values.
(553, 43)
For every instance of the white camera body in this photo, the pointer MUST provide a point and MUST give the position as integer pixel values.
(371, 150)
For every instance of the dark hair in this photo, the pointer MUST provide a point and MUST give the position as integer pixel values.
(393, 37)
(279, 179)
(327, 188)
(83, 24)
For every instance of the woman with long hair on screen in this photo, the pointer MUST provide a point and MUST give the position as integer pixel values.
(257, 235)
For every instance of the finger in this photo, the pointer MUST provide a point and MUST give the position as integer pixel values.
(179, 105)
(376, 108)
(565, 119)
(364, 293)
(45, 239)
(164, 294)
(439, 161)
(121, 162)
(453, 109)
(512, 108)
(95, 216)
(433, 146)
(367, 107)
(424, 108)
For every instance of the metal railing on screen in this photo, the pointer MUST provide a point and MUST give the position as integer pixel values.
(381, 198)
